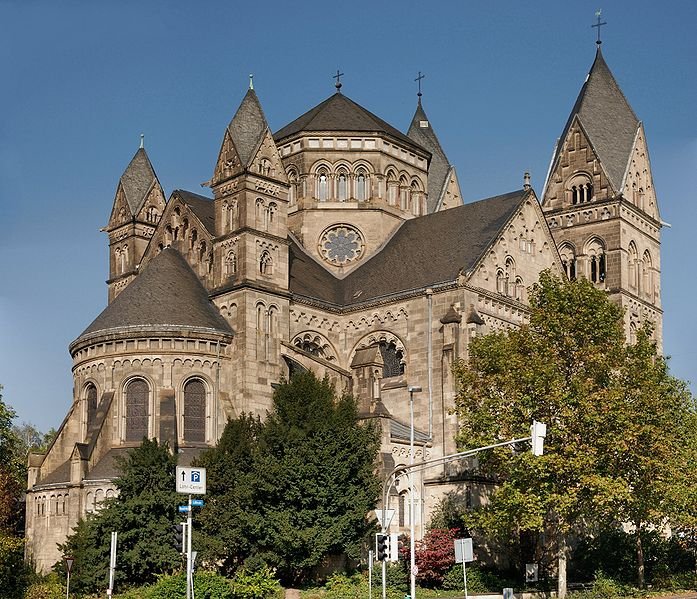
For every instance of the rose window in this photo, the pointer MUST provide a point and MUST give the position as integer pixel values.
(341, 244)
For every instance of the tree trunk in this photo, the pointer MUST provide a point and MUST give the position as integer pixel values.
(639, 556)
(561, 580)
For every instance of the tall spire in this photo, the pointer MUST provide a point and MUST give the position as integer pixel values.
(248, 126)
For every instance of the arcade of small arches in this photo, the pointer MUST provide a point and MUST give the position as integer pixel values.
(508, 282)
(641, 272)
(391, 350)
(268, 332)
(53, 504)
(315, 344)
(343, 182)
(580, 189)
(94, 499)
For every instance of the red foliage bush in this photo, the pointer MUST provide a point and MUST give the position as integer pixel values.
(435, 555)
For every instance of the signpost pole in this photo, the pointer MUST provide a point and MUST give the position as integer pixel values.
(370, 574)
(67, 587)
(464, 576)
(189, 577)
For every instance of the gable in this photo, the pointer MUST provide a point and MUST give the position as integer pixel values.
(637, 186)
(228, 164)
(120, 211)
(266, 160)
(521, 251)
(153, 205)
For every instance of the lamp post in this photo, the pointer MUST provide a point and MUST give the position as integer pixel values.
(412, 569)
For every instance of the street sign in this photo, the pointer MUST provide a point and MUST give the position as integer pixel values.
(531, 572)
(191, 481)
(415, 570)
(384, 518)
(463, 551)
(197, 502)
(69, 561)
(183, 508)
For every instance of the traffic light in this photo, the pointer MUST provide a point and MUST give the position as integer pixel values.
(538, 432)
(180, 537)
(382, 547)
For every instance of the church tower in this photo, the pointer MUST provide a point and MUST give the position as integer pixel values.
(600, 202)
(137, 208)
(250, 192)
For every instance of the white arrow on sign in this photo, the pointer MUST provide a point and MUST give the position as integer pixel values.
(384, 517)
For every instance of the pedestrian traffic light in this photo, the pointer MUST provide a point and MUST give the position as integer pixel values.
(538, 432)
(180, 537)
(382, 547)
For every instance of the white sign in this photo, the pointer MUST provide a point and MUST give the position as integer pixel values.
(463, 551)
(384, 518)
(531, 572)
(191, 481)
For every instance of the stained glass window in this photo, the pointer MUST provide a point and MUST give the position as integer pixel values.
(195, 411)
(137, 395)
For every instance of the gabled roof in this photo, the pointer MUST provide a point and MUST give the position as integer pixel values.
(424, 251)
(137, 180)
(201, 206)
(339, 113)
(607, 119)
(423, 134)
(247, 127)
(166, 294)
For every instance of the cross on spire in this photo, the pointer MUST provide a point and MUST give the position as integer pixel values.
(338, 77)
(599, 24)
(418, 80)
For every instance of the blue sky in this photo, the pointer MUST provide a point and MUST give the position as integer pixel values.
(82, 80)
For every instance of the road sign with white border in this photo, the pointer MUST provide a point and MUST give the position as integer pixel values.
(191, 481)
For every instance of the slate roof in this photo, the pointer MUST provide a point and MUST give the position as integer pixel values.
(401, 431)
(607, 118)
(247, 127)
(440, 166)
(340, 113)
(166, 294)
(201, 206)
(137, 180)
(107, 467)
(424, 251)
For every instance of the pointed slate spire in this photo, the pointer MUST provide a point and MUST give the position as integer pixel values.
(439, 168)
(248, 126)
(137, 180)
(607, 118)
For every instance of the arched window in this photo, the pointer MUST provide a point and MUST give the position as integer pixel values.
(137, 412)
(633, 257)
(260, 213)
(580, 189)
(293, 187)
(519, 291)
(392, 358)
(596, 261)
(195, 411)
(568, 261)
(501, 282)
(230, 263)
(415, 198)
(322, 185)
(342, 187)
(647, 279)
(271, 211)
(265, 263)
(404, 195)
(392, 188)
(361, 186)
(91, 401)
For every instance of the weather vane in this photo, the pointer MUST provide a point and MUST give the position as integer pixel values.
(599, 24)
(251, 81)
(338, 79)
(142, 140)
(418, 80)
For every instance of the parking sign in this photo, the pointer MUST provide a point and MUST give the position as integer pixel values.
(191, 481)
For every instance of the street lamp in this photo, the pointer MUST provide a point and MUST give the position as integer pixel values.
(412, 570)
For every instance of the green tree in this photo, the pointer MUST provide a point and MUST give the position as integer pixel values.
(569, 367)
(143, 514)
(298, 486)
(13, 473)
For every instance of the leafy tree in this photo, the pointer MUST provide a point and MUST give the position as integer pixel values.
(570, 368)
(12, 472)
(298, 486)
(143, 514)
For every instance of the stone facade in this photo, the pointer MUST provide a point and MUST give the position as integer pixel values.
(339, 245)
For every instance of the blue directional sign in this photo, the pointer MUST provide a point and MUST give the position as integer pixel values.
(197, 502)
(183, 508)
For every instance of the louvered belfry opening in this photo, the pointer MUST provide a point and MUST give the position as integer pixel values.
(137, 395)
(195, 411)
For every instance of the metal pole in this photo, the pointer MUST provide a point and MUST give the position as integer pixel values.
(412, 541)
(188, 552)
(67, 587)
(370, 574)
(464, 571)
(384, 579)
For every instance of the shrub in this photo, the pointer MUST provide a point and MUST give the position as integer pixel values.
(207, 585)
(259, 583)
(479, 580)
(14, 574)
(49, 587)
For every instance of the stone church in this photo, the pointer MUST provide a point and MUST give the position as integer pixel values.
(341, 245)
